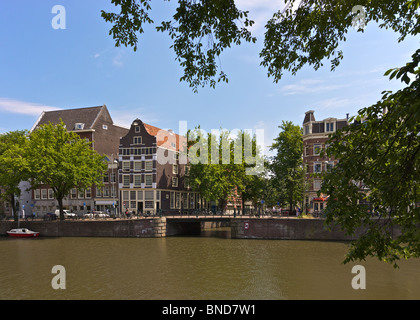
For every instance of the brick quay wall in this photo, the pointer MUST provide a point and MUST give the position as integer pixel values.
(241, 228)
(141, 228)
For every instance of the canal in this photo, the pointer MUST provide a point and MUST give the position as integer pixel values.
(210, 266)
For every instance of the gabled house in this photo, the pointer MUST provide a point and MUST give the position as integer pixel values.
(96, 125)
(153, 172)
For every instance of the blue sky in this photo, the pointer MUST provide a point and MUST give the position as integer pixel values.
(46, 69)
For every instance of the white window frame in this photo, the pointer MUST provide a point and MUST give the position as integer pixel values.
(137, 180)
(315, 147)
(126, 165)
(148, 165)
(126, 180)
(174, 182)
(146, 177)
(175, 168)
(320, 167)
(137, 166)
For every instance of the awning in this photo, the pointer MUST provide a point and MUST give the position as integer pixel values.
(320, 199)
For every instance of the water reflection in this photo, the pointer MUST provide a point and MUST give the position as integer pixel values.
(212, 266)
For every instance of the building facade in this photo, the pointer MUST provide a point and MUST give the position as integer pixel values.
(315, 137)
(153, 172)
(95, 125)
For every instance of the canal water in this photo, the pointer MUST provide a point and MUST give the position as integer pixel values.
(211, 266)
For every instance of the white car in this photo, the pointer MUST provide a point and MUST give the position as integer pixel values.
(67, 214)
(96, 214)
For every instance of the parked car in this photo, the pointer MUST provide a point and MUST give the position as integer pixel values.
(67, 214)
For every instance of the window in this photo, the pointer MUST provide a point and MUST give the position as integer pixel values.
(186, 200)
(44, 194)
(106, 178)
(148, 165)
(137, 129)
(106, 191)
(105, 127)
(37, 194)
(126, 180)
(73, 194)
(125, 195)
(317, 167)
(317, 184)
(175, 182)
(149, 180)
(81, 194)
(139, 195)
(50, 194)
(88, 193)
(317, 149)
(148, 205)
(177, 200)
(79, 126)
(99, 192)
(113, 177)
(137, 166)
(187, 170)
(307, 129)
(137, 180)
(329, 127)
(172, 200)
(328, 166)
(126, 166)
(149, 195)
(137, 140)
(175, 169)
(133, 195)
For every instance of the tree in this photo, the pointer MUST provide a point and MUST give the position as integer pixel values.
(287, 164)
(201, 31)
(304, 32)
(379, 172)
(63, 161)
(221, 164)
(13, 166)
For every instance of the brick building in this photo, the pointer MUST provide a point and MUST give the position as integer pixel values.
(96, 125)
(315, 136)
(153, 172)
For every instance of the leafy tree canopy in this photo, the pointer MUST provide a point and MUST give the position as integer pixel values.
(63, 161)
(304, 32)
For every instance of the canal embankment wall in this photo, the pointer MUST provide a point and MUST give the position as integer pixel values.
(241, 228)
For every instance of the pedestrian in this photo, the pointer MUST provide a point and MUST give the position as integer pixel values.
(126, 213)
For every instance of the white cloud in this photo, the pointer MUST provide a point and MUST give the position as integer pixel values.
(117, 60)
(310, 86)
(23, 107)
(260, 11)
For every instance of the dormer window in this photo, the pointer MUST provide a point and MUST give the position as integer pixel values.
(79, 126)
(329, 127)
